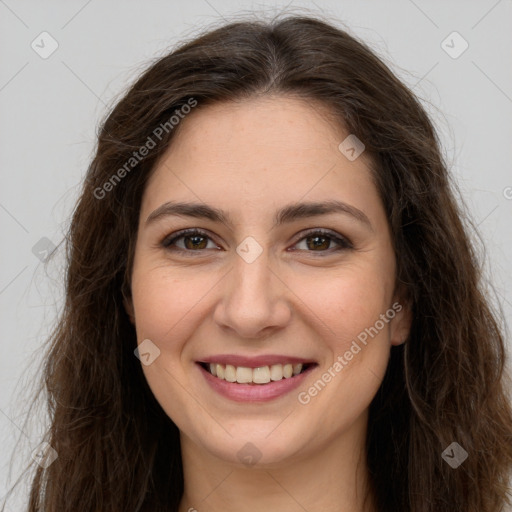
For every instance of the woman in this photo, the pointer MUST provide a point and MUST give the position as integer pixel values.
(209, 358)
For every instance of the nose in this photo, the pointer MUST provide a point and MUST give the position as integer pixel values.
(254, 300)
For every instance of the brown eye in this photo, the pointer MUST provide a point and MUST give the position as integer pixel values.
(196, 242)
(193, 240)
(321, 241)
(318, 242)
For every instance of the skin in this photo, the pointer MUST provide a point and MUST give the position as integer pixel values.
(251, 158)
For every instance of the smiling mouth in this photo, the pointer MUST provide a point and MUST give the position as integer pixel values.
(257, 376)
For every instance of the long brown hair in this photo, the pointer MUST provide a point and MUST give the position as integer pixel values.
(118, 450)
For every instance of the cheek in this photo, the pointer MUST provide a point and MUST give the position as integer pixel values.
(347, 307)
(162, 305)
(165, 307)
(349, 311)
(346, 301)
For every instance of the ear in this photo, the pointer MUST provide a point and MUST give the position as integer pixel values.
(400, 325)
(128, 306)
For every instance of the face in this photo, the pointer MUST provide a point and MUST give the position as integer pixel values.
(292, 308)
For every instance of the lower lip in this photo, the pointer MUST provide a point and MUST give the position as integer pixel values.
(254, 392)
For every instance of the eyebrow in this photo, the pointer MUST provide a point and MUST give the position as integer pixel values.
(287, 214)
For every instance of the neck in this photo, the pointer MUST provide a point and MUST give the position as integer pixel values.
(330, 478)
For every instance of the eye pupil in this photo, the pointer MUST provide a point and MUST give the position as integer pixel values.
(320, 245)
(195, 238)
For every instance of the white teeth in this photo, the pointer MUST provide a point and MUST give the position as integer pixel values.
(243, 375)
(261, 375)
(276, 372)
(230, 373)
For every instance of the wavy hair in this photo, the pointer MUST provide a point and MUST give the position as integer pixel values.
(118, 450)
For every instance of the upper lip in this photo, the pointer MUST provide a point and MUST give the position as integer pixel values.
(255, 361)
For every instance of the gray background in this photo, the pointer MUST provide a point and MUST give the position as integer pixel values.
(50, 109)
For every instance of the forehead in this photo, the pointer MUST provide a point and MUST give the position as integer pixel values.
(263, 151)
(281, 125)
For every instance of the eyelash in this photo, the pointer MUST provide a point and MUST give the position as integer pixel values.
(343, 243)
